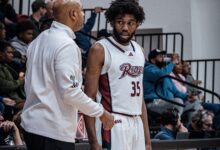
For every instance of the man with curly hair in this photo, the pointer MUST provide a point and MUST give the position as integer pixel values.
(115, 68)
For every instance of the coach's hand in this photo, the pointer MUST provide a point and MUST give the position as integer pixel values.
(107, 120)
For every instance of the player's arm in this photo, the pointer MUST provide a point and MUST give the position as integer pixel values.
(94, 64)
(144, 118)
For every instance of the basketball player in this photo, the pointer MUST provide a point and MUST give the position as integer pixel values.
(115, 66)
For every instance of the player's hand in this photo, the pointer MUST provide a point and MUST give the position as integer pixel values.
(95, 146)
(107, 120)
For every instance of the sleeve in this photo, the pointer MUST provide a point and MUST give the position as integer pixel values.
(177, 93)
(9, 85)
(154, 73)
(90, 23)
(68, 77)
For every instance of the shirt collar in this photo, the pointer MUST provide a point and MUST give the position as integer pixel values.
(63, 27)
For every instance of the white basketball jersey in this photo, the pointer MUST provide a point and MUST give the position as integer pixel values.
(121, 78)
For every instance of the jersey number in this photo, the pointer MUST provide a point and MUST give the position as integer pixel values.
(135, 88)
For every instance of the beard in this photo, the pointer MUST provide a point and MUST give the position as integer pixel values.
(120, 39)
(159, 64)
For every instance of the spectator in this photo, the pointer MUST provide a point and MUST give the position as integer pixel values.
(202, 120)
(9, 133)
(48, 18)
(24, 35)
(9, 17)
(186, 72)
(39, 10)
(11, 83)
(2, 32)
(171, 124)
(201, 126)
(82, 40)
(152, 72)
(8, 12)
(177, 73)
(215, 108)
(49, 10)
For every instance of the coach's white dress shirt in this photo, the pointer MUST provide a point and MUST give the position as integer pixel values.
(53, 86)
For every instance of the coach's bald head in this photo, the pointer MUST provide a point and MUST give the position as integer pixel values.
(69, 12)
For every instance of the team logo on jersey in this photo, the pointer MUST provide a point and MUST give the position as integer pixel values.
(130, 54)
(132, 71)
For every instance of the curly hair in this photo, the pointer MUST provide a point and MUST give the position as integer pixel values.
(122, 7)
(24, 26)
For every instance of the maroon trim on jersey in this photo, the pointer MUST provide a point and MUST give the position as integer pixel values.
(106, 101)
(104, 88)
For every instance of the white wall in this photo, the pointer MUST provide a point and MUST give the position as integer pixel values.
(206, 28)
(206, 36)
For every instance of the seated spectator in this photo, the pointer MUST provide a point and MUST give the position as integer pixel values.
(48, 18)
(49, 10)
(177, 73)
(171, 124)
(82, 40)
(9, 17)
(2, 31)
(8, 11)
(24, 35)
(186, 72)
(215, 108)
(39, 10)
(202, 120)
(9, 133)
(11, 83)
(152, 72)
(201, 126)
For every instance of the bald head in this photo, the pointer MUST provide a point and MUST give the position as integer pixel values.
(68, 12)
(60, 5)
